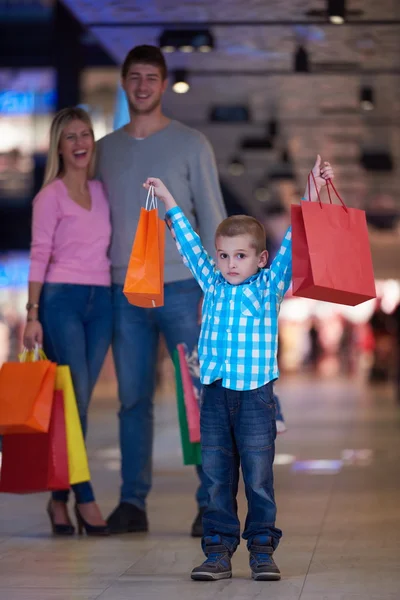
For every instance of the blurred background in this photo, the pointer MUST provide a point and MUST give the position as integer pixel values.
(270, 84)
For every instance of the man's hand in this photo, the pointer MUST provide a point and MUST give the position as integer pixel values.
(321, 174)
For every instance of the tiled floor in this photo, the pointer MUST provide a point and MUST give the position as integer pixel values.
(339, 510)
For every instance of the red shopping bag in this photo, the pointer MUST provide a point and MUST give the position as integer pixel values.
(331, 253)
(144, 281)
(26, 396)
(191, 403)
(37, 462)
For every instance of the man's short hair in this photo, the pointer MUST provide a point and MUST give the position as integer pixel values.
(145, 55)
(243, 225)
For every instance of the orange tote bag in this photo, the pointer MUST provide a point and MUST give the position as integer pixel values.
(26, 396)
(144, 281)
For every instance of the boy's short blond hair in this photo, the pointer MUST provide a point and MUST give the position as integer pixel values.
(243, 225)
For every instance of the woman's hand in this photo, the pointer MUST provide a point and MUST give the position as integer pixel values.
(33, 335)
(321, 175)
(160, 191)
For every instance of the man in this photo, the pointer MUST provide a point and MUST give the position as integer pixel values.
(152, 143)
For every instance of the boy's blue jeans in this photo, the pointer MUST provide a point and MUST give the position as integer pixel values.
(135, 343)
(238, 428)
(77, 328)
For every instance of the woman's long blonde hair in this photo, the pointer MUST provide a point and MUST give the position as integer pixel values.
(54, 164)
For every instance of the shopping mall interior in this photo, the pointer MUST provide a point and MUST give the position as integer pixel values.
(270, 84)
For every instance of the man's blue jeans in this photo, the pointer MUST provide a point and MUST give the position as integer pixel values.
(77, 329)
(238, 428)
(135, 343)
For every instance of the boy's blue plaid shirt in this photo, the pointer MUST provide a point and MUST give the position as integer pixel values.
(239, 333)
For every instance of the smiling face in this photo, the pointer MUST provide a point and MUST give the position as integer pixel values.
(144, 87)
(237, 258)
(76, 145)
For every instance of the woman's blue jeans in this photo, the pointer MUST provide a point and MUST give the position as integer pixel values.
(77, 330)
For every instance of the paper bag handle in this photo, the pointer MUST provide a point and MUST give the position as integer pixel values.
(151, 203)
(329, 182)
(311, 174)
(32, 355)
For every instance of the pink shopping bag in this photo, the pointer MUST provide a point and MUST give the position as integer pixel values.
(191, 403)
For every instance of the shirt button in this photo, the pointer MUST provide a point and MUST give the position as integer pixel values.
(226, 362)
(228, 331)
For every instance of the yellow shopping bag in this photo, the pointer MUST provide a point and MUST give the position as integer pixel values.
(77, 458)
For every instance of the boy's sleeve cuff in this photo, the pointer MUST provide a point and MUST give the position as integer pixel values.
(173, 211)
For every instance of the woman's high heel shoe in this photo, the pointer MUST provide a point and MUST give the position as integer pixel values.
(100, 530)
(57, 528)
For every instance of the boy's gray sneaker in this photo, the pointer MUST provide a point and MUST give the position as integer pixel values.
(263, 567)
(217, 566)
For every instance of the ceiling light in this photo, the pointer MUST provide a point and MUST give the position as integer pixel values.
(180, 85)
(205, 49)
(367, 98)
(166, 43)
(186, 48)
(236, 167)
(203, 41)
(261, 193)
(186, 40)
(336, 11)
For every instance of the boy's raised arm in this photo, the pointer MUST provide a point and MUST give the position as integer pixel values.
(281, 267)
(187, 241)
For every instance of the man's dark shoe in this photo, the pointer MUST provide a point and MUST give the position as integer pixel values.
(263, 567)
(197, 527)
(127, 518)
(217, 566)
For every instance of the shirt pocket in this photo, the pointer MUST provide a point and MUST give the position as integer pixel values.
(250, 305)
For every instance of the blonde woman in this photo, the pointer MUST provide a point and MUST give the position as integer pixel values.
(69, 305)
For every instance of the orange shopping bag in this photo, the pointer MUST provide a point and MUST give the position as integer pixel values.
(26, 396)
(144, 281)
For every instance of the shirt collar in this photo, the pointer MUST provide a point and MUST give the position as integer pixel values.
(221, 280)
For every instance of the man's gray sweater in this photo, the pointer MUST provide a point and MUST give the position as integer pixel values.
(183, 159)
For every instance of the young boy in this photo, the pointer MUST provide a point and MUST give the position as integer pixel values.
(237, 351)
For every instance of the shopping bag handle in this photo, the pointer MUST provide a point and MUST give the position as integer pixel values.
(329, 182)
(311, 174)
(151, 202)
(32, 355)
